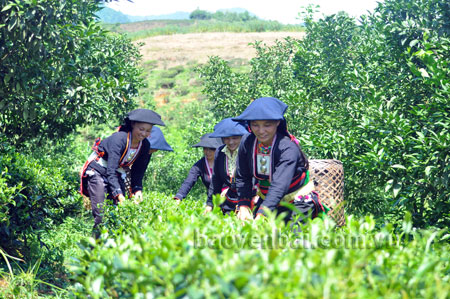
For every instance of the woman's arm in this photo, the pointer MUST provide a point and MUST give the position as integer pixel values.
(190, 180)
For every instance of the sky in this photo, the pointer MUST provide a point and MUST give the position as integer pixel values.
(284, 11)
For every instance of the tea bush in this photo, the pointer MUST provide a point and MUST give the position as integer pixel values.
(161, 249)
(34, 196)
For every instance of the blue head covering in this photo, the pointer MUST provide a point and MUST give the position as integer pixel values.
(263, 109)
(227, 128)
(206, 141)
(157, 140)
(267, 108)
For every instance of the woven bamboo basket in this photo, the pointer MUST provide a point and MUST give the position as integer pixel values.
(328, 177)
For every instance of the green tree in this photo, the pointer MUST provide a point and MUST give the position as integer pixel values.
(199, 14)
(59, 69)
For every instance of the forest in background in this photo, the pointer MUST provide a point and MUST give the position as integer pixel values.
(373, 94)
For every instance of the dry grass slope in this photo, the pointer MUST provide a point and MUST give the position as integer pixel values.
(181, 49)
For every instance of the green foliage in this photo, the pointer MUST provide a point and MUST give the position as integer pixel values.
(230, 16)
(33, 196)
(42, 218)
(168, 170)
(374, 95)
(60, 69)
(161, 249)
(270, 74)
(223, 87)
(199, 14)
(172, 72)
(167, 83)
(26, 285)
(234, 16)
(176, 84)
(380, 101)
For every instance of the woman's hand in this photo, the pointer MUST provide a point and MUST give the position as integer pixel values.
(208, 209)
(259, 216)
(120, 198)
(137, 197)
(245, 213)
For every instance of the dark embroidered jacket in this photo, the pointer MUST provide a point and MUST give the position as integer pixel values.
(114, 148)
(288, 169)
(222, 179)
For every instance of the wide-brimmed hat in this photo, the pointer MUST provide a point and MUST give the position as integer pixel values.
(157, 140)
(263, 109)
(145, 116)
(227, 128)
(206, 141)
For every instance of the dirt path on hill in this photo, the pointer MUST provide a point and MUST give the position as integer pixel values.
(180, 49)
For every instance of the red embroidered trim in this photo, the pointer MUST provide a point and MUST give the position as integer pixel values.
(298, 180)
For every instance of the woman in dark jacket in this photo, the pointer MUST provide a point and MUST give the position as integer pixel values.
(202, 168)
(273, 157)
(157, 143)
(127, 150)
(223, 177)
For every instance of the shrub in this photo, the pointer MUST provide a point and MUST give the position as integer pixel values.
(34, 196)
(55, 72)
(182, 91)
(199, 14)
(172, 72)
(166, 83)
(161, 249)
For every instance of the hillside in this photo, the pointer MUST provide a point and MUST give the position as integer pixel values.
(181, 49)
(170, 60)
(149, 28)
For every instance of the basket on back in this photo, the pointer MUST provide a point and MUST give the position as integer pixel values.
(328, 177)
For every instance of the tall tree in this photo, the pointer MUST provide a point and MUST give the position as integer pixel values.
(60, 69)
